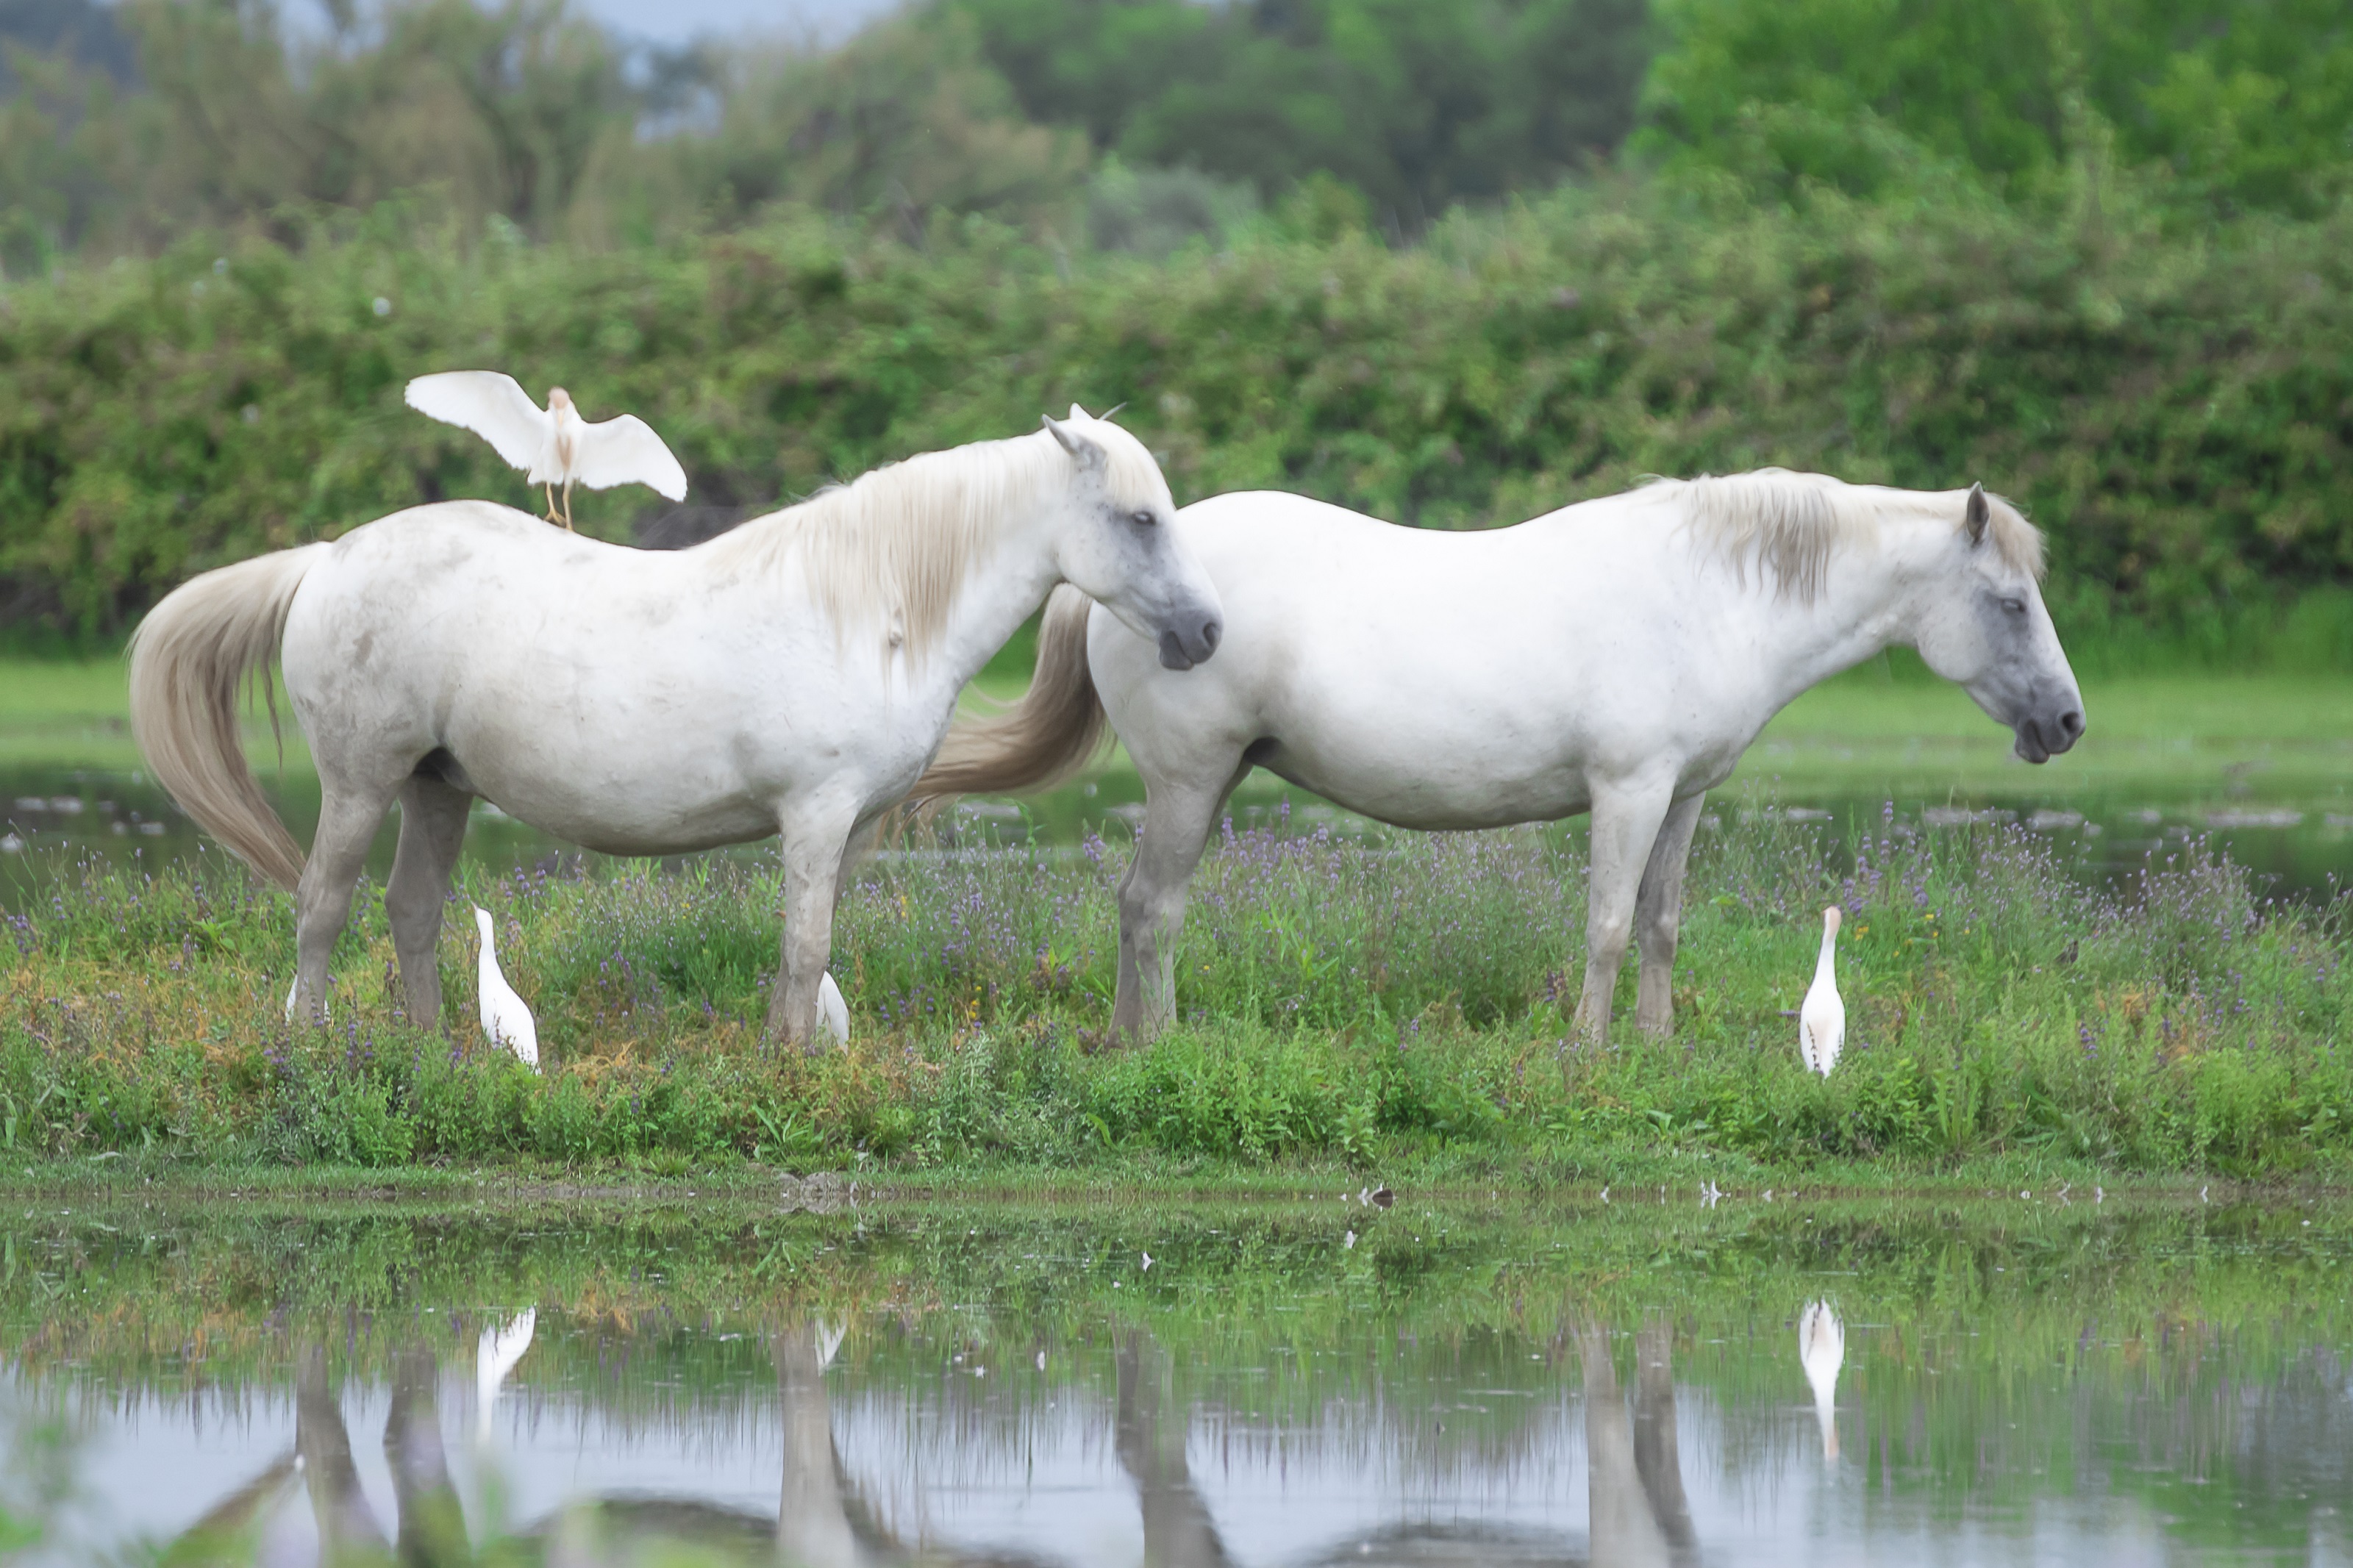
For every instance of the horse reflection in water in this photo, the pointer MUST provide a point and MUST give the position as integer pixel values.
(1151, 1426)
(431, 1524)
(1639, 1514)
(1633, 1469)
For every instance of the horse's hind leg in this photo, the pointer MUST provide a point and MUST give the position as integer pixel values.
(1177, 816)
(348, 816)
(1626, 826)
(1658, 916)
(432, 830)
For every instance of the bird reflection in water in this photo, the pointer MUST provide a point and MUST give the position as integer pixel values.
(1821, 1350)
(1634, 1468)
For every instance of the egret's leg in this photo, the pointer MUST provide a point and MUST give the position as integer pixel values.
(348, 815)
(816, 838)
(1625, 820)
(432, 830)
(550, 487)
(1177, 816)
(568, 506)
(1658, 916)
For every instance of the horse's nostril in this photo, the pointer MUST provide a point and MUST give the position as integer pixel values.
(2072, 722)
(1210, 630)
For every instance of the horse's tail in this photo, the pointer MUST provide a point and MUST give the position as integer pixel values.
(1052, 732)
(189, 660)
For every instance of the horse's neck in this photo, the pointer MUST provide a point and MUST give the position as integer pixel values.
(1010, 577)
(1868, 603)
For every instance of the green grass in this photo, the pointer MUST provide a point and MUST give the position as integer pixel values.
(1891, 727)
(1345, 1005)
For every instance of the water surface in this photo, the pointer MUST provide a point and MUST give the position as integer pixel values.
(2047, 1377)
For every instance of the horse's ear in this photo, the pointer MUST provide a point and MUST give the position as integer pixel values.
(1083, 448)
(1078, 413)
(1976, 514)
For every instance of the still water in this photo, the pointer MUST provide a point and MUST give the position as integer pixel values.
(2047, 1377)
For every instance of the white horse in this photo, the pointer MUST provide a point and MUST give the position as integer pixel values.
(792, 677)
(1615, 656)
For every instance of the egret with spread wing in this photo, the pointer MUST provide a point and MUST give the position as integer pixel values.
(553, 445)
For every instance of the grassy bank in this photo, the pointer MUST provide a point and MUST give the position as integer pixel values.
(1376, 1004)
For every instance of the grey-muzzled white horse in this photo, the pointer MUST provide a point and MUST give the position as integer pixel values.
(1616, 656)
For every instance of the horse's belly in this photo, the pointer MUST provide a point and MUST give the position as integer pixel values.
(672, 832)
(1433, 790)
(647, 798)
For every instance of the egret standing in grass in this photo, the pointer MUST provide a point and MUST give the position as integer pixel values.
(1821, 1350)
(554, 445)
(505, 1019)
(1821, 1022)
(832, 1011)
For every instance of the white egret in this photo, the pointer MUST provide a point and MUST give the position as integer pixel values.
(505, 1019)
(1821, 1022)
(554, 445)
(1821, 1350)
(831, 1010)
(494, 1357)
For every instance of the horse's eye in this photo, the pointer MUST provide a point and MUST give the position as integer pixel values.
(1143, 520)
(2015, 607)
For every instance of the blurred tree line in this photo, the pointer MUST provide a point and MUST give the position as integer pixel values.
(1140, 123)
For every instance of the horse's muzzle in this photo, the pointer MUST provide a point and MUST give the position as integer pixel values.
(1194, 644)
(2041, 739)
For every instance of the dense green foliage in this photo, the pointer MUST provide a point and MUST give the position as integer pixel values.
(2180, 418)
(1359, 1001)
(2228, 104)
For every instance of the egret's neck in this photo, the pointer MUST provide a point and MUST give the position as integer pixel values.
(1826, 965)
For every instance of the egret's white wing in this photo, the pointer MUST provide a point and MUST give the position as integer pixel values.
(518, 1030)
(491, 405)
(626, 451)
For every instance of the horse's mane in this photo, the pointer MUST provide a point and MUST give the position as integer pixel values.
(1792, 523)
(901, 539)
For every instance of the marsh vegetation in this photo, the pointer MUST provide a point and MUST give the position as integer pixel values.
(1342, 1001)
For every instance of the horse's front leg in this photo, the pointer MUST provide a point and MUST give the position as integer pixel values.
(1177, 816)
(1658, 916)
(1625, 820)
(815, 841)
